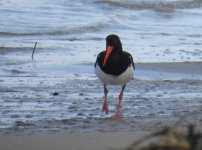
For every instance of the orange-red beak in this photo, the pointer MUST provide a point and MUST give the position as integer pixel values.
(108, 52)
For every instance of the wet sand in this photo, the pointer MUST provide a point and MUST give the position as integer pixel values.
(175, 67)
(169, 70)
(73, 119)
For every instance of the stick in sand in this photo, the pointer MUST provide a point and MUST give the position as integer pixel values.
(34, 50)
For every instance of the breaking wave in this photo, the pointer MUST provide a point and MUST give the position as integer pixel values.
(161, 5)
(61, 31)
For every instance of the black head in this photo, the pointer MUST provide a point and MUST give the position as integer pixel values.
(114, 41)
(113, 46)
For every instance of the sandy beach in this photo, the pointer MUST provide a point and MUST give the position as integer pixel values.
(53, 101)
(70, 141)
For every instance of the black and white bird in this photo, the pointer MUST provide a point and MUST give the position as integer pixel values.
(114, 67)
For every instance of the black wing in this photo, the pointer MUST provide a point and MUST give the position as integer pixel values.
(99, 57)
(131, 58)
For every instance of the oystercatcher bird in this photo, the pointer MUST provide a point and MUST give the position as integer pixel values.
(114, 67)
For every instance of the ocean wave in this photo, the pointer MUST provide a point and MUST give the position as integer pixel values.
(4, 48)
(60, 31)
(84, 39)
(159, 5)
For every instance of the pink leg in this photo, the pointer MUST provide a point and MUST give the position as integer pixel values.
(105, 103)
(118, 111)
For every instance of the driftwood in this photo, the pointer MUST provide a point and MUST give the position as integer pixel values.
(34, 50)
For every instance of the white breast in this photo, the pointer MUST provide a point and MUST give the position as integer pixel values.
(121, 79)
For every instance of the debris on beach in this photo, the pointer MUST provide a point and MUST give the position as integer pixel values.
(55, 94)
(170, 138)
(22, 124)
(34, 50)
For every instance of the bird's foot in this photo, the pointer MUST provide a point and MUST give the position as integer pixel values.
(105, 107)
(117, 116)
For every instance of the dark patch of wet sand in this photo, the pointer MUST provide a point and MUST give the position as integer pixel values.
(176, 67)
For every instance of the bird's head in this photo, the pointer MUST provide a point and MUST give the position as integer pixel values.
(113, 43)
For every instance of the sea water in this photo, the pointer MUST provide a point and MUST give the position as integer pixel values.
(75, 31)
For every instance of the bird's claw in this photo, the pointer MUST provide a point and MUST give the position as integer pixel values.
(116, 117)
